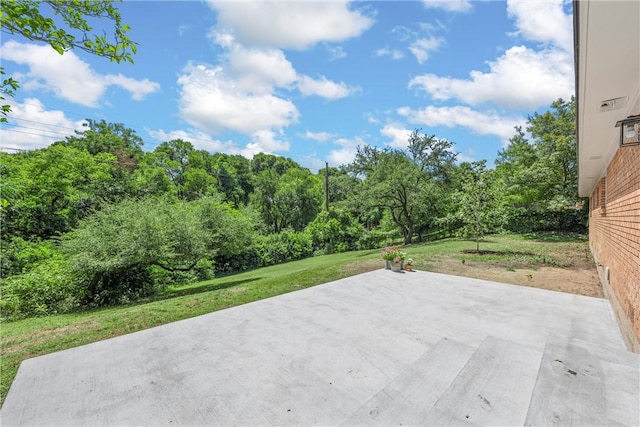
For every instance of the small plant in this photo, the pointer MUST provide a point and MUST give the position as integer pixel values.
(409, 261)
(393, 253)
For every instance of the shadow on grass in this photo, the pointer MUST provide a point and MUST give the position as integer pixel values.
(204, 287)
(482, 241)
(553, 237)
(505, 253)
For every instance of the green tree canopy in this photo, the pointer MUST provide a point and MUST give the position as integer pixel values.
(66, 26)
(408, 184)
(117, 245)
(476, 202)
(542, 172)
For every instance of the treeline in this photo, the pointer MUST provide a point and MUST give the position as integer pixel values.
(94, 220)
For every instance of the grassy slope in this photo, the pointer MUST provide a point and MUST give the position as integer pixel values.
(28, 338)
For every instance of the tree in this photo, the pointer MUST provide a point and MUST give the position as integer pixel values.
(397, 185)
(103, 137)
(52, 189)
(475, 203)
(514, 168)
(113, 251)
(234, 177)
(341, 184)
(8, 88)
(434, 156)
(554, 139)
(407, 184)
(292, 199)
(297, 199)
(65, 26)
(278, 164)
(542, 173)
(335, 230)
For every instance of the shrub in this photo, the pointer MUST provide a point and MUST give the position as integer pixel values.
(288, 245)
(522, 220)
(119, 286)
(377, 238)
(48, 288)
(335, 231)
(18, 256)
(114, 250)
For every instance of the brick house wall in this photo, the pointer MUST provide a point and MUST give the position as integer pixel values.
(614, 237)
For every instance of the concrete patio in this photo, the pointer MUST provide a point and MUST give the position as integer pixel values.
(380, 348)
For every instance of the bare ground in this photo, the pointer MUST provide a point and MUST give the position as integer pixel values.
(579, 277)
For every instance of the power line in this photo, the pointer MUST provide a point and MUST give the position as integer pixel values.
(12, 129)
(42, 123)
(53, 134)
(27, 133)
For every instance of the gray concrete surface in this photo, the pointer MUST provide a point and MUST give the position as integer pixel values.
(381, 348)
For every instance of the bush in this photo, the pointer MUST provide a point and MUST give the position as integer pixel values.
(335, 231)
(288, 245)
(48, 288)
(204, 270)
(376, 238)
(19, 256)
(114, 250)
(522, 220)
(120, 286)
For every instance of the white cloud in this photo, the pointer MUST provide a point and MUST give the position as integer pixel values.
(31, 126)
(239, 93)
(295, 25)
(521, 78)
(449, 5)
(372, 119)
(265, 141)
(543, 21)
(392, 53)
(421, 48)
(335, 52)
(261, 142)
(464, 157)
(50, 71)
(139, 88)
(324, 88)
(398, 134)
(524, 77)
(243, 93)
(347, 153)
(481, 123)
(257, 71)
(199, 140)
(341, 157)
(182, 29)
(318, 136)
(211, 102)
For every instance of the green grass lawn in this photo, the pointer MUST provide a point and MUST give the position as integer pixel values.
(23, 339)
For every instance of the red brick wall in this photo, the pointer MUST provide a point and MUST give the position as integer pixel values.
(614, 236)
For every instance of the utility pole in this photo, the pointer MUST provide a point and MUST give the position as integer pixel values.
(326, 186)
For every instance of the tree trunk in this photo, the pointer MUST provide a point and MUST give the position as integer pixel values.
(407, 234)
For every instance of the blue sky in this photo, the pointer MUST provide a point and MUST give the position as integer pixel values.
(302, 79)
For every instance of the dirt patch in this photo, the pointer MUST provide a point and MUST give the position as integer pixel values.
(23, 343)
(580, 278)
(482, 252)
(364, 266)
(565, 271)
